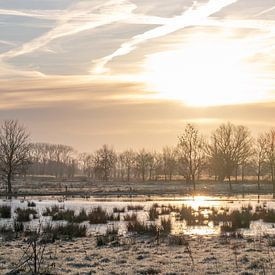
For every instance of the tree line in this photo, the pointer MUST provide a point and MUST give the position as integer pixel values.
(228, 152)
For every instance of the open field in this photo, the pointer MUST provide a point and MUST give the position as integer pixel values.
(111, 188)
(211, 255)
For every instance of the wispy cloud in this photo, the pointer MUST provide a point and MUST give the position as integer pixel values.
(265, 11)
(190, 17)
(77, 18)
(41, 14)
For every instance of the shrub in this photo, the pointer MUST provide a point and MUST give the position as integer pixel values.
(240, 219)
(23, 215)
(269, 215)
(81, 217)
(166, 226)
(70, 230)
(18, 226)
(130, 217)
(142, 228)
(67, 215)
(100, 216)
(5, 211)
(186, 213)
(135, 207)
(165, 211)
(50, 211)
(31, 204)
(153, 214)
(119, 210)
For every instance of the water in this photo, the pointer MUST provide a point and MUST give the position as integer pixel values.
(205, 203)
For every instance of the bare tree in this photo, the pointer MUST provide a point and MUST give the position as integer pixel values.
(143, 159)
(191, 152)
(260, 156)
(270, 154)
(14, 151)
(169, 161)
(128, 162)
(87, 164)
(230, 146)
(105, 159)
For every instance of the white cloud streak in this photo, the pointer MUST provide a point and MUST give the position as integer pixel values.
(191, 17)
(76, 19)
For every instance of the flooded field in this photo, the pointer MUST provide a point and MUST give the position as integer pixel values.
(198, 215)
(141, 235)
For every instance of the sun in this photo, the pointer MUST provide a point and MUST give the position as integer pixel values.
(203, 74)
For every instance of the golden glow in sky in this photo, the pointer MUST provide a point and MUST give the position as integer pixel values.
(204, 73)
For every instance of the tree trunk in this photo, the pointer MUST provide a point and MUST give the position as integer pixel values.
(242, 173)
(194, 182)
(230, 184)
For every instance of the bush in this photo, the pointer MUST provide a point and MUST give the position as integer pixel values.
(269, 215)
(135, 207)
(241, 219)
(81, 217)
(186, 213)
(51, 211)
(142, 228)
(31, 204)
(23, 215)
(130, 217)
(5, 211)
(166, 226)
(100, 216)
(67, 215)
(18, 226)
(153, 214)
(69, 230)
(119, 210)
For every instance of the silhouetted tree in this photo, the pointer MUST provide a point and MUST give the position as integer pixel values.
(128, 162)
(230, 146)
(142, 163)
(169, 161)
(14, 151)
(105, 159)
(191, 152)
(270, 154)
(260, 156)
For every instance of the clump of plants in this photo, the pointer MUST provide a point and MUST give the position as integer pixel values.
(24, 215)
(111, 235)
(31, 204)
(142, 228)
(186, 213)
(119, 210)
(135, 207)
(51, 211)
(130, 217)
(153, 213)
(98, 215)
(166, 226)
(269, 215)
(70, 230)
(66, 215)
(5, 211)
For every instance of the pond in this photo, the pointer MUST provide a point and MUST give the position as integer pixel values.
(201, 210)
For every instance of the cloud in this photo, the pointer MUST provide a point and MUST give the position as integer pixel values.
(265, 11)
(40, 14)
(192, 16)
(79, 17)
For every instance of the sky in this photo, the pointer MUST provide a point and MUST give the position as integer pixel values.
(132, 73)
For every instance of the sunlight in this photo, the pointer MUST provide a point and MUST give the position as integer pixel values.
(204, 73)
